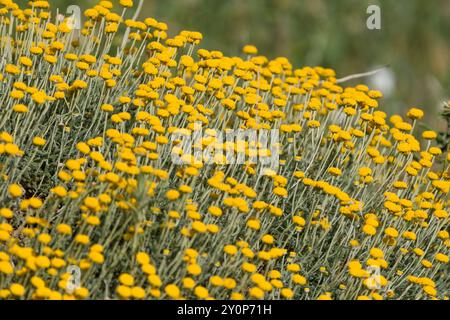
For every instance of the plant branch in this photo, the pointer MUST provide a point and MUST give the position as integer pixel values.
(361, 75)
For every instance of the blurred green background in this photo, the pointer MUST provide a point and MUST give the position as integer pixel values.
(414, 40)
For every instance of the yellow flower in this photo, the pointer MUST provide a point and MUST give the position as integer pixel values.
(442, 257)
(17, 94)
(216, 281)
(17, 289)
(126, 3)
(369, 230)
(228, 283)
(279, 191)
(256, 293)
(293, 267)
(93, 220)
(92, 203)
(123, 291)
(82, 239)
(154, 280)
(172, 291)
(142, 258)
(248, 267)
(15, 190)
(39, 97)
(426, 263)
(201, 292)
(430, 290)
(188, 283)
(364, 171)
(249, 49)
(230, 249)
(215, 211)
(38, 141)
(44, 238)
(42, 262)
(391, 232)
(313, 124)
(6, 267)
(36, 203)
(287, 293)
(60, 191)
(415, 113)
(429, 135)
(236, 296)
(138, 293)
(376, 253)
(20, 108)
(334, 171)
(268, 239)
(126, 279)
(199, 226)
(409, 235)
(83, 147)
(64, 229)
(354, 243)
(194, 269)
(172, 194)
(26, 61)
(298, 279)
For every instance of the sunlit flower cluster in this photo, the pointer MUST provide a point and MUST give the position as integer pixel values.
(357, 208)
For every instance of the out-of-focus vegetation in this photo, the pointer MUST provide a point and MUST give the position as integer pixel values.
(414, 39)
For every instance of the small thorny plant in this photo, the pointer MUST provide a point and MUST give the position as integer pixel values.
(92, 205)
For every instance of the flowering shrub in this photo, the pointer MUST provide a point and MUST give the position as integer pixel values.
(92, 206)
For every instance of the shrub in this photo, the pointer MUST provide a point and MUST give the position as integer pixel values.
(93, 205)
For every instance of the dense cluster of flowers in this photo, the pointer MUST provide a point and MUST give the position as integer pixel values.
(87, 182)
